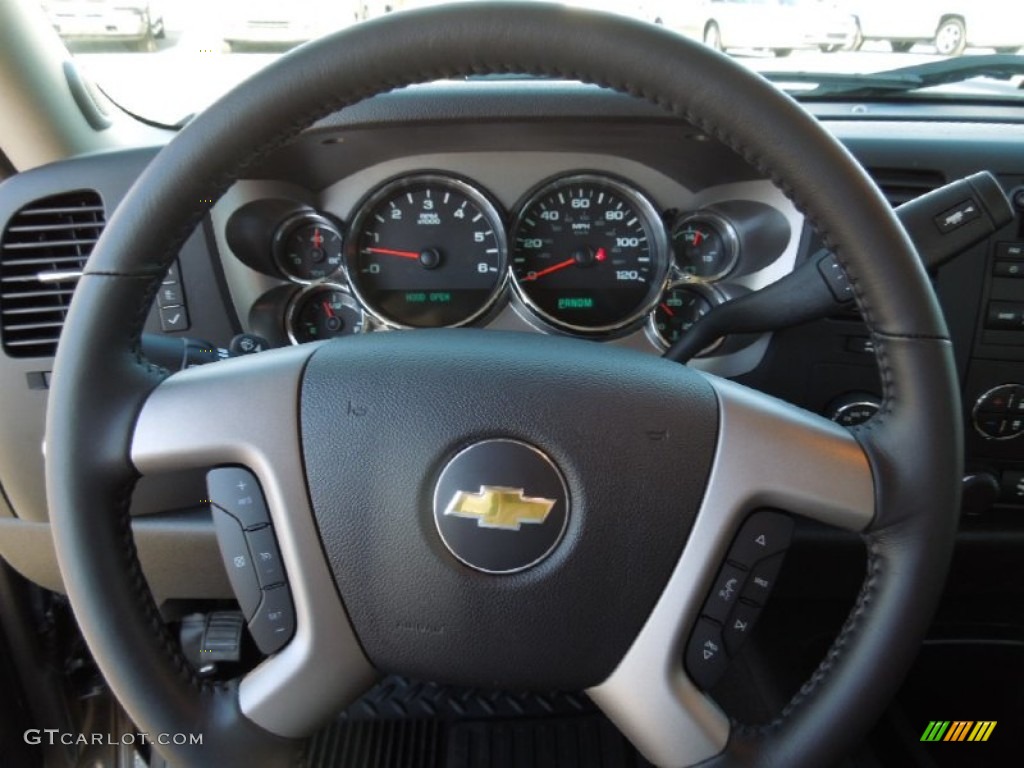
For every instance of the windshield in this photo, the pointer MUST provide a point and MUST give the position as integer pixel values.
(166, 59)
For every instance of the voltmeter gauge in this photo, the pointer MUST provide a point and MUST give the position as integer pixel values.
(705, 246)
(323, 311)
(308, 248)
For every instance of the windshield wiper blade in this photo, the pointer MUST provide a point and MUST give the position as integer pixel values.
(904, 79)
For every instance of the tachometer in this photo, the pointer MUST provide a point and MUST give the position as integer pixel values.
(588, 254)
(427, 251)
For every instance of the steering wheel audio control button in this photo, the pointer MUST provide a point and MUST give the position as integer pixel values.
(237, 561)
(706, 659)
(740, 625)
(236, 490)
(725, 593)
(763, 534)
(265, 556)
(762, 578)
(274, 623)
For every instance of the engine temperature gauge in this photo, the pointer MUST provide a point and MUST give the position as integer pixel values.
(705, 246)
(323, 311)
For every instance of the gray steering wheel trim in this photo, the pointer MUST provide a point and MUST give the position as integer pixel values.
(102, 383)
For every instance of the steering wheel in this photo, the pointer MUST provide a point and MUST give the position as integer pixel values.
(351, 440)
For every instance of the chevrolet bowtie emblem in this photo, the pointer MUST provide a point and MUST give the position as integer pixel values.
(498, 507)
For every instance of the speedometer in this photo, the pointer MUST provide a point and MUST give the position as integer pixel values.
(589, 254)
(427, 251)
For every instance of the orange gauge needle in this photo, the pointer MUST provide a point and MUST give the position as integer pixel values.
(391, 252)
(553, 268)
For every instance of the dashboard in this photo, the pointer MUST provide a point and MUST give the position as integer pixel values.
(539, 207)
(582, 244)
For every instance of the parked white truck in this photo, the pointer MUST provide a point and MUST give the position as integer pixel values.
(949, 25)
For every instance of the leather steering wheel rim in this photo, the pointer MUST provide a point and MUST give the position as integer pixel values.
(101, 381)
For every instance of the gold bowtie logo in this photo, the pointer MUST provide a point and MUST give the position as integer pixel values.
(498, 507)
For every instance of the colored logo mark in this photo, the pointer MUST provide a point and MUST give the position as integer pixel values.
(499, 507)
(958, 730)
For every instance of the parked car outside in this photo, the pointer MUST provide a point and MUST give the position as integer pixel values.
(141, 23)
(284, 24)
(949, 25)
(776, 25)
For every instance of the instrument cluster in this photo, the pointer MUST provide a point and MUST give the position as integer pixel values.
(583, 253)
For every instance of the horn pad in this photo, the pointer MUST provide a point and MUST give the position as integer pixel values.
(502, 510)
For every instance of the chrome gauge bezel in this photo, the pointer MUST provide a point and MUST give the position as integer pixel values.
(730, 241)
(976, 412)
(284, 231)
(711, 293)
(474, 193)
(300, 296)
(660, 254)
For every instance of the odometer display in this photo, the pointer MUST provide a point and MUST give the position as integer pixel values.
(588, 254)
(427, 251)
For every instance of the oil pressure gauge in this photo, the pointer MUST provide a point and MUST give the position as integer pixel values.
(681, 305)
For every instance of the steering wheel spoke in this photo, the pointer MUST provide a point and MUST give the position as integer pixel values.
(245, 412)
(822, 474)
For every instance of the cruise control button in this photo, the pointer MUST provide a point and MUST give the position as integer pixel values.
(725, 592)
(705, 654)
(265, 555)
(740, 625)
(274, 623)
(237, 491)
(762, 535)
(761, 580)
(237, 562)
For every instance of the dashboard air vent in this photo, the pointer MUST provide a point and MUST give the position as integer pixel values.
(900, 185)
(42, 254)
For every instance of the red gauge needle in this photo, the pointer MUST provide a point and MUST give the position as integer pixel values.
(390, 252)
(666, 308)
(697, 237)
(327, 308)
(318, 239)
(601, 255)
(553, 268)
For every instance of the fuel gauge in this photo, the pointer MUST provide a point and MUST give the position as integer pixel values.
(307, 248)
(323, 311)
(705, 246)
